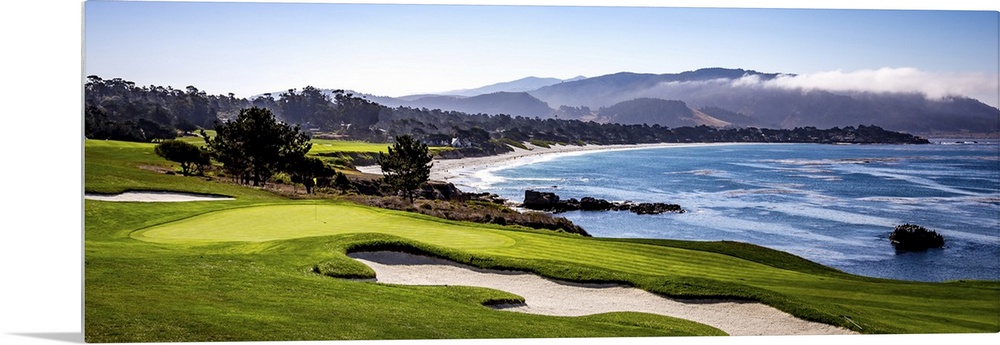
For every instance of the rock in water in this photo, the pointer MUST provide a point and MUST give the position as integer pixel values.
(656, 208)
(910, 237)
(594, 204)
(540, 200)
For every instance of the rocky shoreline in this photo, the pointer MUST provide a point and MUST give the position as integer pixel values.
(547, 201)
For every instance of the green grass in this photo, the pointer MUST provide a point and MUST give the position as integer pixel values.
(325, 146)
(259, 268)
(329, 146)
(542, 143)
(513, 143)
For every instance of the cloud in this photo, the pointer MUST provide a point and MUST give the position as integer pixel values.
(933, 85)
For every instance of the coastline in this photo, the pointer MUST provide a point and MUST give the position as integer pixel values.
(468, 173)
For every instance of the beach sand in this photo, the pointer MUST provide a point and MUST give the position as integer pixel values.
(460, 171)
(552, 297)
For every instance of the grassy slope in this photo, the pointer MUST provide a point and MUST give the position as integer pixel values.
(321, 146)
(157, 272)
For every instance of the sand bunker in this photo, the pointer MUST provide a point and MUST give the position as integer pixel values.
(550, 297)
(155, 197)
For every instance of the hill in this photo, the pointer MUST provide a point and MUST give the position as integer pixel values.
(719, 96)
(654, 111)
(519, 103)
(740, 95)
(609, 89)
(520, 85)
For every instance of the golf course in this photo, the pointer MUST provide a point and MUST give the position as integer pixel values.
(260, 266)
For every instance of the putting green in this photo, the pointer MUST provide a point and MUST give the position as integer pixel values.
(278, 222)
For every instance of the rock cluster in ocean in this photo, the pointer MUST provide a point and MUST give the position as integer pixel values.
(548, 201)
(910, 237)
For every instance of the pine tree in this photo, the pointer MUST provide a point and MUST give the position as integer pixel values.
(255, 145)
(407, 166)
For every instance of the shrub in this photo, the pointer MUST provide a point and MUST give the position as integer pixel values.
(341, 181)
(192, 158)
(513, 143)
(541, 143)
(281, 178)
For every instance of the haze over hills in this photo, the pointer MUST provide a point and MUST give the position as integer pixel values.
(502, 102)
(735, 97)
(520, 85)
(717, 97)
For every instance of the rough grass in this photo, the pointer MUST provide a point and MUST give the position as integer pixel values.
(258, 268)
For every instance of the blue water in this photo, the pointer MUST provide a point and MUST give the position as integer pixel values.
(832, 204)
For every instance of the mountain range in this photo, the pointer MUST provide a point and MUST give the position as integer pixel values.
(717, 97)
(520, 85)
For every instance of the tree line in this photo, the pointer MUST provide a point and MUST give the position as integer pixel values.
(118, 109)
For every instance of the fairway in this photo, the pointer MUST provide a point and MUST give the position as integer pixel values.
(320, 146)
(228, 270)
(279, 222)
(331, 146)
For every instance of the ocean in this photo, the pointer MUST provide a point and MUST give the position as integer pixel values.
(832, 204)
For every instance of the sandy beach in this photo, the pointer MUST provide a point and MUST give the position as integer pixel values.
(464, 172)
(550, 297)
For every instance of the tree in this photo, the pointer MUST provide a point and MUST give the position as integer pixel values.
(254, 145)
(307, 169)
(311, 106)
(192, 159)
(407, 166)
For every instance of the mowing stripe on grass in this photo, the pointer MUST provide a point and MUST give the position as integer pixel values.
(278, 222)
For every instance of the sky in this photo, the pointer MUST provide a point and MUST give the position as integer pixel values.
(401, 49)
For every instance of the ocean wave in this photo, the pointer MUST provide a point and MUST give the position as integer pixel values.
(742, 192)
(837, 216)
(934, 200)
(746, 227)
(833, 161)
(830, 178)
(700, 172)
(895, 174)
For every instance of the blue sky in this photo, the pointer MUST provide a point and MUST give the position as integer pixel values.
(395, 50)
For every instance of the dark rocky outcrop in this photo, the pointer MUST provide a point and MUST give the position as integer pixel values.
(433, 190)
(541, 201)
(594, 204)
(655, 208)
(547, 201)
(910, 237)
(486, 197)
